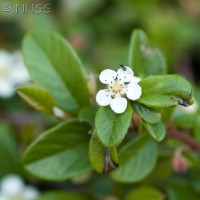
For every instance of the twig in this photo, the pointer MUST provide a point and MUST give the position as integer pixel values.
(135, 123)
(179, 135)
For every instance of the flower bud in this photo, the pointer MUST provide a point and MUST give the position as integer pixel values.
(179, 164)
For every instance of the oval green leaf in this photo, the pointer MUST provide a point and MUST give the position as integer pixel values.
(137, 159)
(53, 64)
(145, 193)
(103, 160)
(163, 91)
(60, 195)
(37, 97)
(145, 59)
(157, 131)
(58, 153)
(147, 114)
(111, 128)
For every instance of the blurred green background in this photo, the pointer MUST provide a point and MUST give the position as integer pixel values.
(100, 31)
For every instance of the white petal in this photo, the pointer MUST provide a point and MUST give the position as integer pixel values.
(118, 104)
(6, 89)
(136, 79)
(133, 91)
(12, 185)
(30, 193)
(4, 59)
(107, 76)
(103, 97)
(20, 75)
(19, 71)
(124, 75)
(3, 197)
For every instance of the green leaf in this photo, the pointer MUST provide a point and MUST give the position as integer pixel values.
(59, 153)
(163, 168)
(111, 128)
(103, 160)
(157, 131)
(53, 64)
(87, 114)
(59, 195)
(37, 97)
(144, 59)
(145, 193)
(137, 159)
(147, 114)
(163, 91)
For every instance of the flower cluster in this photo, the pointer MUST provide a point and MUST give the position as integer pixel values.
(122, 85)
(13, 188)
(12, 72)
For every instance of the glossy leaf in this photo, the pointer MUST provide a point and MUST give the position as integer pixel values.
(103, 160)
(145, 193)
(137, 159)
(163, 91)
(147, 114)
(58, 153)
(53, 64)
(111, 128)
(37, 97)
(157, 131)
(59, 195)
(145, 59)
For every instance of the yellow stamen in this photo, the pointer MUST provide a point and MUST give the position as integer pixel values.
(117, 87)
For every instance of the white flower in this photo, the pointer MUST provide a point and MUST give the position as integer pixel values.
(121, 85)
(19, 73)
(12, 72)
(12, 188)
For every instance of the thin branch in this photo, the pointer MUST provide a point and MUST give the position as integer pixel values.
(179, 135)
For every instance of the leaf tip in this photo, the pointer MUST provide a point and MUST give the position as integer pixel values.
(186, 103)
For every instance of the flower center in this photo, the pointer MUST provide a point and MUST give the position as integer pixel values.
(116, 87)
